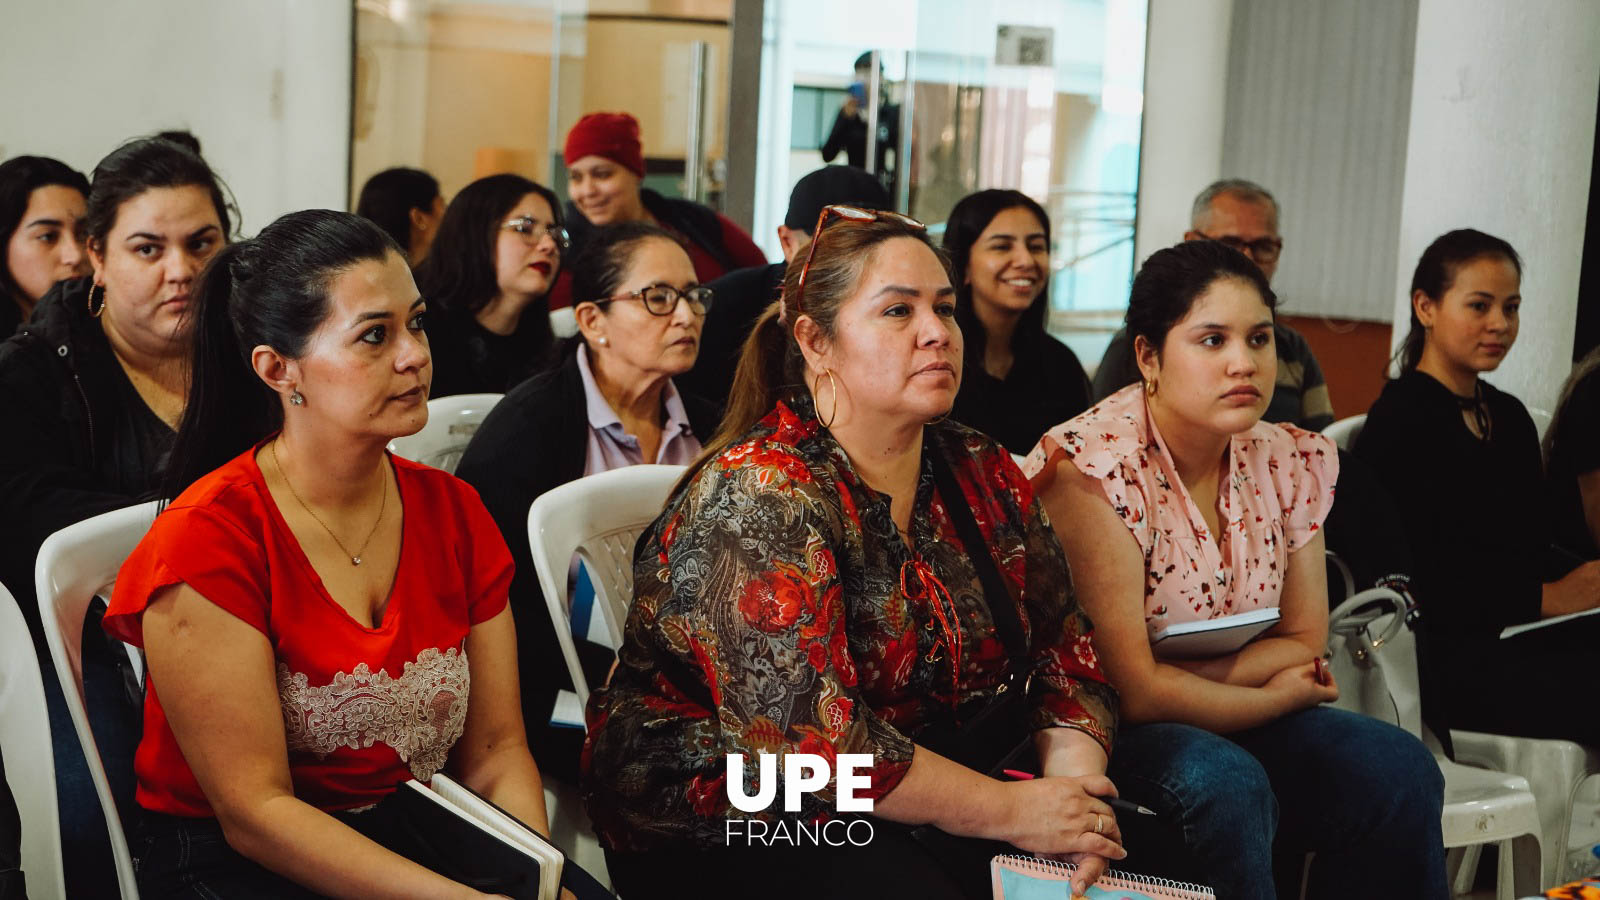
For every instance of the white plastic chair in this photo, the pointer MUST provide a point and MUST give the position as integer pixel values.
(452, 421)
(29, 760)
(75, 564)
(564, 322)
(598, 517)
(1555, 770)
(1344, 432)
(1480, 806)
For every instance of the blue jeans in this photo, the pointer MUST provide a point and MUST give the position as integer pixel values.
(1240, 812)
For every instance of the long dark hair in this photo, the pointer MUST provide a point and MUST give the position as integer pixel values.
(971, 215)
(1172, 279)
(20, 176)
(141, 165)
(1581, 371)
(459, 275)
(271, 289)
(1436, 272)
(771, 367)
(389, 197)
(598, 268)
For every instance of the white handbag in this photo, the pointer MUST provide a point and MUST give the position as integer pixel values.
(1373, 655)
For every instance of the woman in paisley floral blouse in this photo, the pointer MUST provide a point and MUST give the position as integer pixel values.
(807, 591)
(1176, 503)
(322, 621)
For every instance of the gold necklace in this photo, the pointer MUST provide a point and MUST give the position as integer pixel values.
(383, 499)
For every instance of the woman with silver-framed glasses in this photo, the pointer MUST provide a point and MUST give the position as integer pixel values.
(610, 403)
(497, 253)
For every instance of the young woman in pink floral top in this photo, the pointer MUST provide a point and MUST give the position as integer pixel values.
(1222, 512)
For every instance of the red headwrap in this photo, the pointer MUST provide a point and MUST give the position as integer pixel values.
(614, 136)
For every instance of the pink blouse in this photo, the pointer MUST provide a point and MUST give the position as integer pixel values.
(1279, 489)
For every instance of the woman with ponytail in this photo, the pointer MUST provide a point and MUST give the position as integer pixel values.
(845, 571)
(322, 621)
(1462, 459)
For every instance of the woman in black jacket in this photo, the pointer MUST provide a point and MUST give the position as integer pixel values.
(1019, 381)
(91, 389)
(611, 403)
(487, 278)
(1461, 457)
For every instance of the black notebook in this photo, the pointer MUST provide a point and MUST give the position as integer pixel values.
(464, 837)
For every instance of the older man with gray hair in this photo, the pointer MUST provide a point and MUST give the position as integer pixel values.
(1243, 215)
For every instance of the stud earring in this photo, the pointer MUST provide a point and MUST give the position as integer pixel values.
(297, 399)
(604, 342)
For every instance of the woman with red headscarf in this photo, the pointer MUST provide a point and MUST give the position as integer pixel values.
(605, 175)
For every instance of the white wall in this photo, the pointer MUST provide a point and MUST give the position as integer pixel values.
(1185, 99)
(1324, 130)
(264, 85)
(1502, 140)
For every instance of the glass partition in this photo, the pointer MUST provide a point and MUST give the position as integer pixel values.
(1045, 96)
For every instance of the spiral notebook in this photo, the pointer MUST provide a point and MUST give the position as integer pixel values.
(1031, 878)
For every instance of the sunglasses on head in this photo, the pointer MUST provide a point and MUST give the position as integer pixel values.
(841, 213)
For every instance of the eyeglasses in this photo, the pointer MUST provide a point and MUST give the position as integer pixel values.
(662, 299)
(532, 230)
(846, 214)
(1262, 250)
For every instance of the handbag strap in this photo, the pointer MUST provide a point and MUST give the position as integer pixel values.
(1002, 607)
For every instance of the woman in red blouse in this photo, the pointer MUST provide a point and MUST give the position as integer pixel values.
(322, 621)
(808, 590)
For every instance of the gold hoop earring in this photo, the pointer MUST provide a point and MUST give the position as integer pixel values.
(1150, 388)
(95, 311)
(833, 391)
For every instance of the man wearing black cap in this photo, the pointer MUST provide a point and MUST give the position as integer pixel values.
(739, 297)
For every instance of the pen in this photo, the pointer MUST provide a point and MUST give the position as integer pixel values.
(1116, 803)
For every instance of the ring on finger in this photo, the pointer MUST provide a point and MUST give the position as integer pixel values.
(1099, 824)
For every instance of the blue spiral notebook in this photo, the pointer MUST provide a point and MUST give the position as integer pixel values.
(1031, 878)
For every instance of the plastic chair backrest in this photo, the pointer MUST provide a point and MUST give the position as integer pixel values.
(563, 322)
(452, 421)
(1344, 432)
(598, 517)
(76, 564)
(29, 760)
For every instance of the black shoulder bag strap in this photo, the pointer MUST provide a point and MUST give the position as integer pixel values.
(1001, 605)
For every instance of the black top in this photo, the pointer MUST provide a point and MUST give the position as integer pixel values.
(1470, 507)
(737, 300)
(83, 441)
(849, 133)
(1045, 387)
(470, 359)
(1574, 451)
(535, 439)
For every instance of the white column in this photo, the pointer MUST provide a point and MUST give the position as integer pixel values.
(1502, 140)
(1185, 102)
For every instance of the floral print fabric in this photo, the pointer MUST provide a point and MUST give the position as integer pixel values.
(1279, 489)
(775, 611)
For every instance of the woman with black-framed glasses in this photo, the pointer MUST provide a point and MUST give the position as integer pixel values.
(610, 403)
(487, 279)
